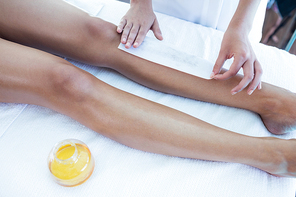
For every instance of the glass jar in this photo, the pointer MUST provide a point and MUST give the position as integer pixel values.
(70, 162)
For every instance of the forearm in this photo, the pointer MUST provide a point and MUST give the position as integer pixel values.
(243, 17)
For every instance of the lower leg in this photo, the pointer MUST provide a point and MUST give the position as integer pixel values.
(39, 78)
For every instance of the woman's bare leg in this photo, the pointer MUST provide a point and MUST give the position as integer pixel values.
(39, 78)
(57, 27)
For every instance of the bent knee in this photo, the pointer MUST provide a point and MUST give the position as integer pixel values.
(96, 41)
(69, 82)
(98, 27)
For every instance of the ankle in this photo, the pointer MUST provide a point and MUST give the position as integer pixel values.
(277, 110)
(272, 158)
(283, 157)
(265, 155)
(276, 157)
(271, 106)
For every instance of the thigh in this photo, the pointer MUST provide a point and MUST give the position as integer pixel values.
(41, 24)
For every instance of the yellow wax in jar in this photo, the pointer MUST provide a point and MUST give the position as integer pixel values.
(75, 169)
(65, 152)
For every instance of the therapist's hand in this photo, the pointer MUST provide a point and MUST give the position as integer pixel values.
(139, 19)
(236, 44)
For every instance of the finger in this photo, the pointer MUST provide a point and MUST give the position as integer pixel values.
(222, 57)
(233, 70)
(121, 25)
(140, 37)
(256, 83)
(126, 32)
(248, 77)
(131, 37)
(260, 86)
(156, 30)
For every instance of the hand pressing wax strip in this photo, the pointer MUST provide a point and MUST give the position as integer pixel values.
(160, 53)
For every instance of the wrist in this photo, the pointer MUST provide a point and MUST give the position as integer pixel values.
(146, 3)
(240, 26)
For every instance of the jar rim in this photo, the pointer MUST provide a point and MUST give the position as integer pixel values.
(64, 143)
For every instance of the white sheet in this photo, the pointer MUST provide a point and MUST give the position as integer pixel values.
(29, 132)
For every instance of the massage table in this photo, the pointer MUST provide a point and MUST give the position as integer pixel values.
(28, 132)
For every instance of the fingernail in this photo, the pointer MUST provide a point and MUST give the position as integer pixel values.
(136, 44)
(233, 93)
(212, 75)
(250, 92)
(123, 40)
(260, 86)
(128, 45)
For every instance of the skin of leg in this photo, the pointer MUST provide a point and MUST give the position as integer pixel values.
(83, 39)
(39, 78)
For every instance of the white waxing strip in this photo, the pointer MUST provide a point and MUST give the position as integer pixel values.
(163, 54)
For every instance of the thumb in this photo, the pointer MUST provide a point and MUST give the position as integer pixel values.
(156, 30)
(218, 64)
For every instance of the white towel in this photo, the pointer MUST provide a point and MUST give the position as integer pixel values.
(8, 113)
